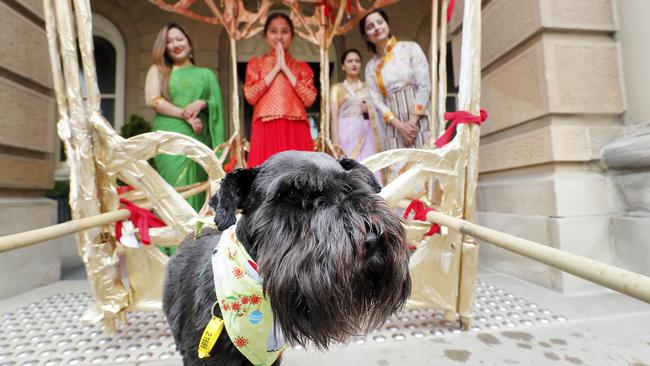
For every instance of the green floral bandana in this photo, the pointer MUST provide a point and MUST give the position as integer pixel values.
(246, 313)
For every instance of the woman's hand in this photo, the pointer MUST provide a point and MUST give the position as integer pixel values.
(338, 150)
(413, 120)
(280, 60)
(279, 57)
(196, 124)
(408, 131)
(193, 109)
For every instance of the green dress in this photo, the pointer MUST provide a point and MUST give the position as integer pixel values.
(186, 85)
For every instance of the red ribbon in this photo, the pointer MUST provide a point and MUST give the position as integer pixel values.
(329, 10)
(123, 189)
(457, 118)
(450, 9)
(230, 165)
(141, 218)
(421, 211)
(326, 7)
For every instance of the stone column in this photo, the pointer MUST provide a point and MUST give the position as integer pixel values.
(551, 86)
(27, 146)
(628, 158)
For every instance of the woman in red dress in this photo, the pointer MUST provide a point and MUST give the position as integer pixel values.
(280, 88)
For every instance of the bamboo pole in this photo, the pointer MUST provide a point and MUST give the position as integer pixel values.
(237, 151)
(433, 116)
(617, 279)
(27, 238)
(137, 195)
(323, 47)
(442, 70)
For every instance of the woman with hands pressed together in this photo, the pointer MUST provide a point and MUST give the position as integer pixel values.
(187, 100)
(280, 88)
(398, 78)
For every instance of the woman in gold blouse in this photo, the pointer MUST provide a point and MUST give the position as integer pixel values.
(354, 123)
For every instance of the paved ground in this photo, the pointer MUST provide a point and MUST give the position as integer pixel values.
(601, 329)
(516, 323)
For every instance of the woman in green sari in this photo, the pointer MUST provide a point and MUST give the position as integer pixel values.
(187, 100)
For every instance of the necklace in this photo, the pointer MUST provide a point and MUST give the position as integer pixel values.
(353, 89)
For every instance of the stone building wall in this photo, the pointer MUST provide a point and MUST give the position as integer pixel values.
(27, 145)
(552, 86)
(628, 158)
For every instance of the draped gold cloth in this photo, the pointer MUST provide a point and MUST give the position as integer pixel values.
(121, 279)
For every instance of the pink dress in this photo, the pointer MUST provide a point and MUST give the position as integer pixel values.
(358, 136)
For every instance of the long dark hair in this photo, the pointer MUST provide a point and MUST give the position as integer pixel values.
(362, 28)
(284, 16)
(162, 60)
(349, 51)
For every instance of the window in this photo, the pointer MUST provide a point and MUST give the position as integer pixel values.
(105, 63)
(110, 58)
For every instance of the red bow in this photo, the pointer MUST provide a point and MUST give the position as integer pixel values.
(456, 118)
(421, 211)
(142, 219)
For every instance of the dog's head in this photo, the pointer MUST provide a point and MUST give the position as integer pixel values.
(330, 251)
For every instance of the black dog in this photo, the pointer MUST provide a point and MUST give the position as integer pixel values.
(331, 254)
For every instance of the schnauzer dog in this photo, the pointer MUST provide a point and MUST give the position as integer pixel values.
(331, 254)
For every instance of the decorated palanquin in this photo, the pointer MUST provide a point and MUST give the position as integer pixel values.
(126, 278)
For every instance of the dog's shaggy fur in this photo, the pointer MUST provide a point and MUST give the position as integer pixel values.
(331, 254)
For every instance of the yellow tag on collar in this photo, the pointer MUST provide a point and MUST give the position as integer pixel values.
(209, 337)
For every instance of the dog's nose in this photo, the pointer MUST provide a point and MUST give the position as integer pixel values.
(371, 243)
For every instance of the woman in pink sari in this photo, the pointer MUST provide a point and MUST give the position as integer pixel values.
(354, 122)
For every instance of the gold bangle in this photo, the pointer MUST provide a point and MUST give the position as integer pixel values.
(388, 116)
(155, 101)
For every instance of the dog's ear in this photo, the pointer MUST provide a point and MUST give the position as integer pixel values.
(234, 189)
(353, 165)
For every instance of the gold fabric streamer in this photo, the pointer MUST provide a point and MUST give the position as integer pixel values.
(97, 157)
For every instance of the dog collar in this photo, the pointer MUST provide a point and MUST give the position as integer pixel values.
(246, 313)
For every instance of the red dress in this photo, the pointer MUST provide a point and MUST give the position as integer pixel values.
(279, 116)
